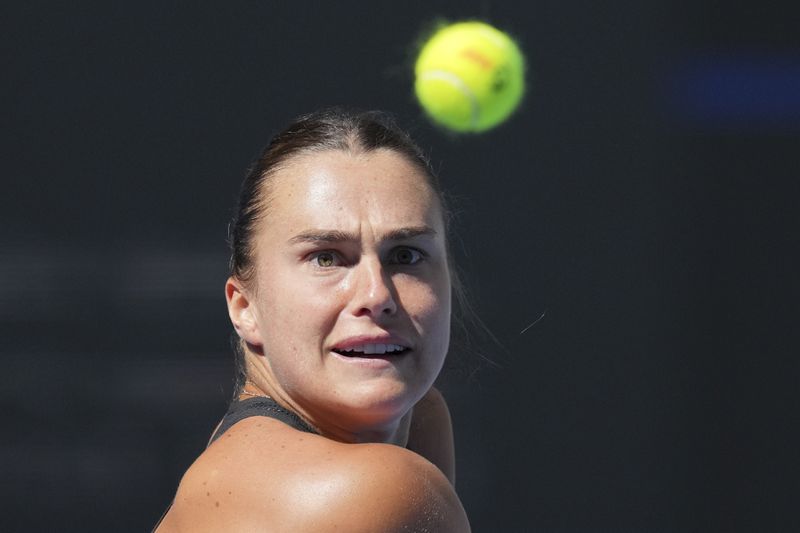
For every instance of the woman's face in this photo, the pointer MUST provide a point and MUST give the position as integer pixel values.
(352, 296)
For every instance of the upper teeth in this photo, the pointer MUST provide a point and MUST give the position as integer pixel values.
(375, 348)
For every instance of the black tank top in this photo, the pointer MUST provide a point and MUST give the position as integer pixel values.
(259, 406)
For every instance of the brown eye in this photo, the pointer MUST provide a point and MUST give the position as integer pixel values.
(406, 256)
(325, 259)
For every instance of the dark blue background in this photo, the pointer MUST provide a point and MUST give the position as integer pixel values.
(644, 198)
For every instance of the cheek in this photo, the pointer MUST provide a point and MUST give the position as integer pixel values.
(432, 318)
(427, 304)
(300, 314)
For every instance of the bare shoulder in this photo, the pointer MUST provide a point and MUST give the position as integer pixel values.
(406, 492)
(432, 409)
(431, 433)
(264, 476)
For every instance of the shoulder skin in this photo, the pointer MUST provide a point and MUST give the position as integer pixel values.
(431, 433)
(262, 476)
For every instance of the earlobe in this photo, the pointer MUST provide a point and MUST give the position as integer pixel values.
(241, 312)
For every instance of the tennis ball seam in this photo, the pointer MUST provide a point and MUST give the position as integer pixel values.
(459, 85)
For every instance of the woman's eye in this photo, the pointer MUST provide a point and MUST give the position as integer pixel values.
(325, 259)
(406, 256)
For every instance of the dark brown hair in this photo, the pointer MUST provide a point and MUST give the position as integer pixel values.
(330, 129)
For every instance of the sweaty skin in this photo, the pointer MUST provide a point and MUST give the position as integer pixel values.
(350, 253)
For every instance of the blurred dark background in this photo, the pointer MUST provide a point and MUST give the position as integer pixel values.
(644, 198)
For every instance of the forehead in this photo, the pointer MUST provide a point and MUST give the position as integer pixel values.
(378, 190)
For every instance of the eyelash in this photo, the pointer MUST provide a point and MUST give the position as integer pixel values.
(336, 258)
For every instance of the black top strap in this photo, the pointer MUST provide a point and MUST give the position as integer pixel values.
(259, 406)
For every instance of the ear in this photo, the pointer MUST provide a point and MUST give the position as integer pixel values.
(242, 312)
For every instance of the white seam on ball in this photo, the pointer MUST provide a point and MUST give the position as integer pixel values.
(459, 84)
(492, 36)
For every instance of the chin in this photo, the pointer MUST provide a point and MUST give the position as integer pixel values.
(381, 403)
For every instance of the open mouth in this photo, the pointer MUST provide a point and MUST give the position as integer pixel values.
(372, 350)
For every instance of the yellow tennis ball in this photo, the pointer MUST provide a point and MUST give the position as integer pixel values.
(470, 76)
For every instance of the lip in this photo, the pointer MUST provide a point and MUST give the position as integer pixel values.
(360, 340)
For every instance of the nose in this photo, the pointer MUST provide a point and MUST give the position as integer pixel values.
(374, 292)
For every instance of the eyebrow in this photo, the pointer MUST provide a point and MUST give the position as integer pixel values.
(334, 236)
